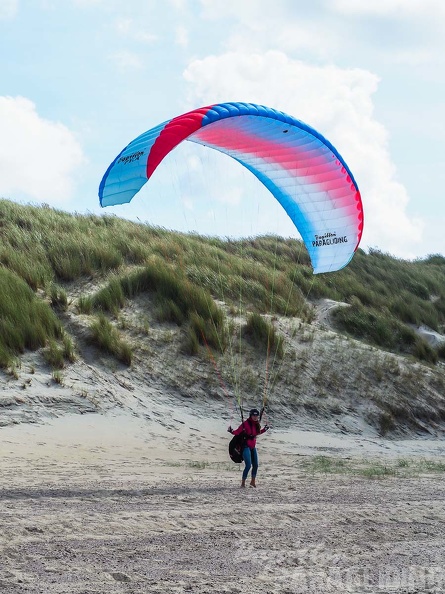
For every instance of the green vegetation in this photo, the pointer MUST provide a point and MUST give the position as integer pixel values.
(57, 354)
(263, 335)
(176, 300)
(107, 337)
(42, 250)
(26, 322)
(372, 469)
(381, 328)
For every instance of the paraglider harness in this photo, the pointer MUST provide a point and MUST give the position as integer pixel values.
(236, 447)
(238, 442)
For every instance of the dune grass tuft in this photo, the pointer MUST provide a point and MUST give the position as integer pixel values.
(107, 337)
(263, 335)
(26, 322)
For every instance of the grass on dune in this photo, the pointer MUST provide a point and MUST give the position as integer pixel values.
(43, 250)
(26, 322)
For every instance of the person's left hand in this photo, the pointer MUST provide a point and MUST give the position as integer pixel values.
(266, 427)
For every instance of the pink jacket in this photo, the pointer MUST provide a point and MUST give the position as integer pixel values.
(251, 431)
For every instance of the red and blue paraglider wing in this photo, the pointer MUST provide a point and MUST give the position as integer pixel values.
(302, 170)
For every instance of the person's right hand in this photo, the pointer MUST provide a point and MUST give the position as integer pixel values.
(230, 430)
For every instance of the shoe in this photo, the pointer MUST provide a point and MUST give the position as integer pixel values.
(243, 484)
(252, 483)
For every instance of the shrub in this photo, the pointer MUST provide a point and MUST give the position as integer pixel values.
(26, 321)
(177, 298)
(208, 332)
(263, 336)
(386, 422)
(381, 329)
(57, 377)
(424, 351)
(85, 304)
(54, 355)
(436, 259)
(68, 349)
(106, 337)
(364, 323)
(58, 296)
(168, 311)
(190, 342)
(111, 298)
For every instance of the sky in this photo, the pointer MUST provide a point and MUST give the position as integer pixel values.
(79, 79)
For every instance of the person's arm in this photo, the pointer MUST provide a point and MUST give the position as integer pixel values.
(237, 431)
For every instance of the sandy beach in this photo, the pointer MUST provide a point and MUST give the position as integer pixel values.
(119, 502)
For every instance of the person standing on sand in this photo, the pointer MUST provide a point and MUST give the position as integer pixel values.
(251, 428)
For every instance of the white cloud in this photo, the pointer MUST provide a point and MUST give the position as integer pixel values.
(38, 158)
(338, 103)
(386, 31)
(8, 8)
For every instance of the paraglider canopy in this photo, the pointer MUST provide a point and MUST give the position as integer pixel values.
(301, 169)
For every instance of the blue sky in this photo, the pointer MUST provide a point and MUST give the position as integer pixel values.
(79, 79)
